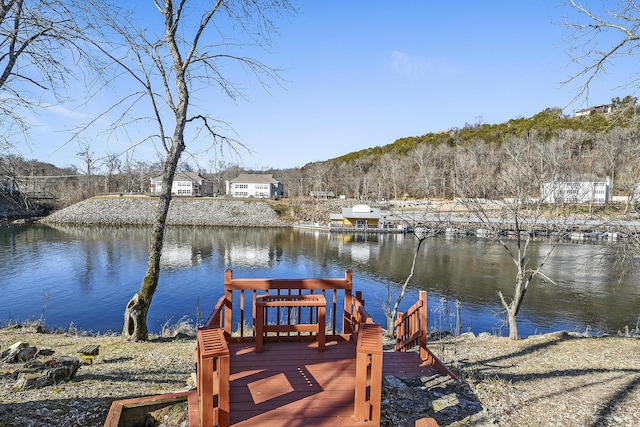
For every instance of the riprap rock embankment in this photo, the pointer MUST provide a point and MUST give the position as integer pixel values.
(125, 210)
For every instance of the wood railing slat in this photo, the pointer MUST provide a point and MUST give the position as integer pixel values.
(411, 327)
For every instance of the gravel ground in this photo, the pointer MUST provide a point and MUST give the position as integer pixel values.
(551, 380)
(122, 370)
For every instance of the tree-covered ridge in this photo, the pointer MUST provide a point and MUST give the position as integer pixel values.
(594, 145)
(546, 123)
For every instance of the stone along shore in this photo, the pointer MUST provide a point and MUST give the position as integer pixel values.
(127, 210)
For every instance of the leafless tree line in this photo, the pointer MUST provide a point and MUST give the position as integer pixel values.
(442, 172)
(436, 171)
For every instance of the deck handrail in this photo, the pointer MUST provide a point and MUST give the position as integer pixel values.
(215, 319)
(411, 327)
(358, 316)
(411, 331)
(240, 310)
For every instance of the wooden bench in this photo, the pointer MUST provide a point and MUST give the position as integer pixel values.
(316, 301)
(89, 352)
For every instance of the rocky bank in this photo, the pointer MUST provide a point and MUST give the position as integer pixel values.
(128, 210)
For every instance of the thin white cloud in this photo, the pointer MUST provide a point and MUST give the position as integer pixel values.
(404, 65)
(60, 110)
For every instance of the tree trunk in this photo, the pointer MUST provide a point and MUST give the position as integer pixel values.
(393, 313)
(135, 319)
(512, 309)
(135, 315)
(513, 323)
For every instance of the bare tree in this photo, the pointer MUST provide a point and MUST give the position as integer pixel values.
(514, 221)
(391, 167)
(601, 35)
(87, 155)
(425, 225)
(424, 157)
(391, 310)
(37, 49)
(112, 163)
(319, 175)
(185, 51)
(627, 181)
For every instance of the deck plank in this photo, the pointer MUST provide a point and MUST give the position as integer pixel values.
(292, 384)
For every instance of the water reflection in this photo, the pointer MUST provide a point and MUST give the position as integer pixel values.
(83, 268)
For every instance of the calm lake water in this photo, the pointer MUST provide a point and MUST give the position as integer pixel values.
(87, 275)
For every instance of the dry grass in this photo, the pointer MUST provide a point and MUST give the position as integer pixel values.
(121, 370)
(552, 380)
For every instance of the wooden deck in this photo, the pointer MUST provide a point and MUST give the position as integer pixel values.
(273, 388)
(304, 375)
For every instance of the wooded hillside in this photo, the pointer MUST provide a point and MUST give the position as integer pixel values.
(590, 148)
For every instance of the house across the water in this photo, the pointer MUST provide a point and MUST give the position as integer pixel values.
(577, 191)
(255, 185)
(359, 216)
(185, 184)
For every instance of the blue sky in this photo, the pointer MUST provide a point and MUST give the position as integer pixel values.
(363, 74)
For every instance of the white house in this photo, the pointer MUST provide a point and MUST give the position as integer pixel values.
(254, 185)
(184, 184)
(602, 109)
(577, 191)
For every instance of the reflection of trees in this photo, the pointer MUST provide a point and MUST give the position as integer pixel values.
(465, 268)
(473, 269)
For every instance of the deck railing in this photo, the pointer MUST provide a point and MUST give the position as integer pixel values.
(237, 309)
(411, 327)
(234, 317)
(411, 331)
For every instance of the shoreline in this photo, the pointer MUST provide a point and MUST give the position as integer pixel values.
(115, 210)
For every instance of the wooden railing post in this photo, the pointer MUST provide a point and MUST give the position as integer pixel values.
(368, 393)
(228, 315)
(411, 327)
(213, 370)
(424, 325)
(400, 327)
